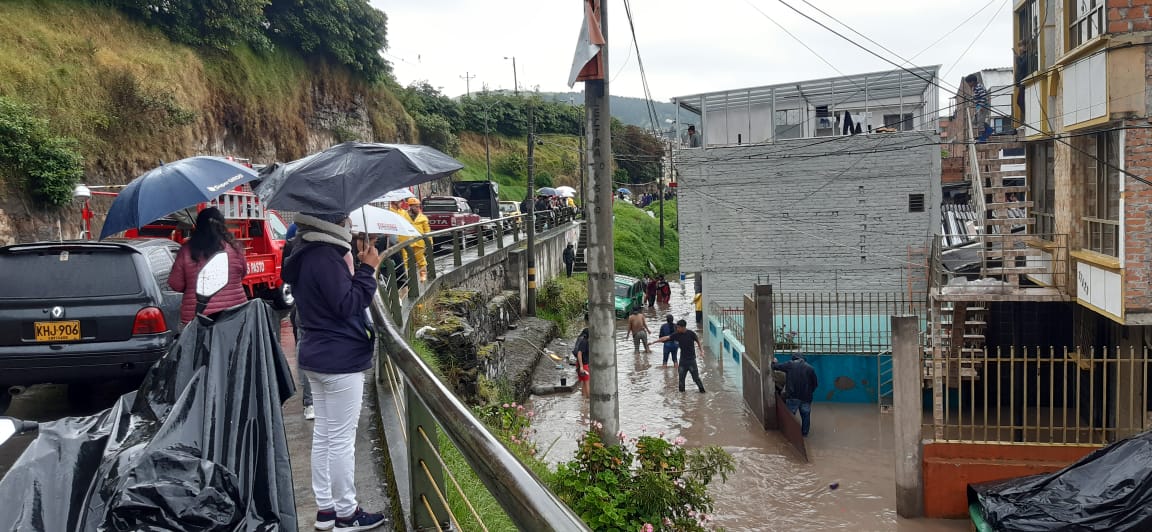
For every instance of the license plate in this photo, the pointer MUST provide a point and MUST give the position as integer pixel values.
(57, 331)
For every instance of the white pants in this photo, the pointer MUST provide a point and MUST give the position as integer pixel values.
(337, 399)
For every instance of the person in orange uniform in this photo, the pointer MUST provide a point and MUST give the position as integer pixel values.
(416, 213)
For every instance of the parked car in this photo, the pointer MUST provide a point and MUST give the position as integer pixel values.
(446, 212)
(509, 208)
(482, 196)
(629, 292)
(82, 313)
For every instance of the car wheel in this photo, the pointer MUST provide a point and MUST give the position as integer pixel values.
(282, 298)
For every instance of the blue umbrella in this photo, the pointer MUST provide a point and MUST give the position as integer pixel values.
(623, 190)
(172, 187)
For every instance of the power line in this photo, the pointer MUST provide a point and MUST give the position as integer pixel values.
(653, 116)
(975, 40)
(958, 95)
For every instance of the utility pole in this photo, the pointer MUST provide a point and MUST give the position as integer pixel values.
(468, 83)
(531, 210)
(515, 81)
(604, 406)
(487, 152)
(663, 183)
(583, 164)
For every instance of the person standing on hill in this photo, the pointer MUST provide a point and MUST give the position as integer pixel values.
(420, 222)
(688, 342)
(799, 387)
(670, 347)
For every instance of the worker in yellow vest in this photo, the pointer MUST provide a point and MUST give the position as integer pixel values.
(420, 222)
(401, 208)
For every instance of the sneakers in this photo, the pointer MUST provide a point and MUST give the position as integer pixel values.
(360, 520)
(325, 519)
(310, 413)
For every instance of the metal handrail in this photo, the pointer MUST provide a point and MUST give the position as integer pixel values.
(527, 501)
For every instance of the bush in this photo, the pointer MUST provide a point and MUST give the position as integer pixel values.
(435, 131)
(46, 165)
(644, 481)
(563, 299)
(544, 179)
(512, 163)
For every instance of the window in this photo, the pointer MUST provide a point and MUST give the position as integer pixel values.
(1042, 185)
(1085, 21)
(894, 122)
(1101, 156)
(915, 203)
(788, 124)
(1028, 31)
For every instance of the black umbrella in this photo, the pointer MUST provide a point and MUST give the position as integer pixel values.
(348, 176)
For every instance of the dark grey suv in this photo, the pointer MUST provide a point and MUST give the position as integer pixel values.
(81, 313)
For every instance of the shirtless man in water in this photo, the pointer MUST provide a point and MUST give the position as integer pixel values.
(638, 330)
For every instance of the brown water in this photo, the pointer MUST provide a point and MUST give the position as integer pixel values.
(772, 489)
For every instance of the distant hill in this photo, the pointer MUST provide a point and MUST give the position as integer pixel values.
(633, 111)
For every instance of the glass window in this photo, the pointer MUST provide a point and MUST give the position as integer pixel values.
(1085, 21)
(1042, 183)
(1028, 30)
(1101, 156)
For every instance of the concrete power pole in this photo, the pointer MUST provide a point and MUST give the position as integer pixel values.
(467, 77)
(604, 398)
(531, 211)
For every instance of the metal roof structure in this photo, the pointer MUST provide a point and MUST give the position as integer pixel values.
(840, 91)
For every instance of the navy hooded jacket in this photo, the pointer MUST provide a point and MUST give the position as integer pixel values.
(801, 381)
(332, 308)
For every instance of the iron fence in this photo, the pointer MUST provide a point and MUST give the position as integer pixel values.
(731, 319)
(852, 322)
(1048, 395)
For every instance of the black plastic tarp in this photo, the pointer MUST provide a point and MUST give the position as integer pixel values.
(200, 446)
(1110, 489)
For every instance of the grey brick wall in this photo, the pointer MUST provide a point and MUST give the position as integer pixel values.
(817, 215)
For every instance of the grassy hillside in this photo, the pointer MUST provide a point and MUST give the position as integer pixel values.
(132, 97)
(557, 162)
(637, 240)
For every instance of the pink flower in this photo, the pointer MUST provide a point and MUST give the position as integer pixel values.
(505, 405)
(667, 522)
(520, 407)
(513, 404)
(646, 528)
(530, 413)
(643, 428)
(679, 440)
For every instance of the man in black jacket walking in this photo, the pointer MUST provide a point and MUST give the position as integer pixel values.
(799, 386)
(569, 259)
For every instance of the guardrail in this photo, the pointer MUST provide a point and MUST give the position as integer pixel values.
(426, 406)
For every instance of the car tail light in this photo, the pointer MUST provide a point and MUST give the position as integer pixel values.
(149, 321)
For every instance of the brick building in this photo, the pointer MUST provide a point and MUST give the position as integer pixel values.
(1082, 96)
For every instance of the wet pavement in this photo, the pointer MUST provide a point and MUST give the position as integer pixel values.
(773, 489)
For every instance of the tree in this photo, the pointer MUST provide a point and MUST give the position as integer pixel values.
(220, 24)
(638, 152)
(351, 32)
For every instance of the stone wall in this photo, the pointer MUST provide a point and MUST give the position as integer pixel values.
(807, 214)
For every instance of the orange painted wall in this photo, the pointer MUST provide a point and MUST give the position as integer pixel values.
(950, 467)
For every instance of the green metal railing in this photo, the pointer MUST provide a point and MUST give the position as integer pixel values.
(426, 406)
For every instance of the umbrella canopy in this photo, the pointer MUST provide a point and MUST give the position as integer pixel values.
(547, 191)
(380, 222)
(566, 191)
(172, 187)
(395, 195)
(623, 190)
(347, 176)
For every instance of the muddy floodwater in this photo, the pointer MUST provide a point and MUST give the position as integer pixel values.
(850, 445)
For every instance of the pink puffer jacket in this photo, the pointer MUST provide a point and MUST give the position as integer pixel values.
(183, 279)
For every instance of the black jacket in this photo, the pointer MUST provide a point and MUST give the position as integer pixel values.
(801, 382)
(569, 254)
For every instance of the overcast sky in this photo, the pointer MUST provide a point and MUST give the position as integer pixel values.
(687, 47)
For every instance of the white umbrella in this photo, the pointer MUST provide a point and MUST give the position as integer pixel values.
(566, 191)
(395, 195)
(380, 222)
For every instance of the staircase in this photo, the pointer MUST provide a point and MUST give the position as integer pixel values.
(884, 393)
(581, 264)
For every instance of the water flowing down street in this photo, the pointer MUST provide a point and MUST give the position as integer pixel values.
(773, 489)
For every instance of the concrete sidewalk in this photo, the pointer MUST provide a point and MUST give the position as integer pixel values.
(371, 482)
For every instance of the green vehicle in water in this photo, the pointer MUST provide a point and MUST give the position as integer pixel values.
(629, 293)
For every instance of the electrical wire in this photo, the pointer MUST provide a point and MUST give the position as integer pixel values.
(975, 40)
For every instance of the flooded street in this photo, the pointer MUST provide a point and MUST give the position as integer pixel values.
(772, 489)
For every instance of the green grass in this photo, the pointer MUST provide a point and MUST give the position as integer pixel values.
(563, 300)
(637, 240)
(475, 493)
(557, 157)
